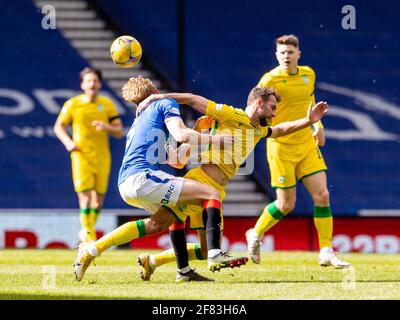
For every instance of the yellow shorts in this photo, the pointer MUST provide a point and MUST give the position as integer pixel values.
(88, 175)
(291, 163)
(193, 211)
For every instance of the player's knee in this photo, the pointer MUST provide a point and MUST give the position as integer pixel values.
(155, 226)
(214, 194)
(95, 205)
(286, 207)
(84, 199)
(322, 197)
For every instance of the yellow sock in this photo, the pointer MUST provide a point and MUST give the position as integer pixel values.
(93, 216)
(194, 252)
(323, 222)
(123, 234)
(164, 257)
(270, 217)
(168, 256)
(85, 221)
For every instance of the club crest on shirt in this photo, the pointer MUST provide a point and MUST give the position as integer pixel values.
(305, 79)
(100, 107)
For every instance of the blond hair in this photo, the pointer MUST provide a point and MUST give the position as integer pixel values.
(137, 89)
(288, 39)
(262, 93)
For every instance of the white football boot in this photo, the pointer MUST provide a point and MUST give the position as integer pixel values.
(83, 261)
(253, 246)
(327, 257)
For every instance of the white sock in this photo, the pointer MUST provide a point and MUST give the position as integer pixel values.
(91, 248)
(184, 270)
(326, 250)
(152, 262)
(213, 252)
(254, 234)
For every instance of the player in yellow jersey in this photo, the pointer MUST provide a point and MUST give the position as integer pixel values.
(92, 118)
(248, 127)
(295, 157)
(142, 184)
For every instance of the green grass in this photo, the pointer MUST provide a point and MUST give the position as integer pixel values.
(27, 274)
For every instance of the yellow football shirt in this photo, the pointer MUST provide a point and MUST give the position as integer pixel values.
(296, 92)
(80, 112)
(232, 121)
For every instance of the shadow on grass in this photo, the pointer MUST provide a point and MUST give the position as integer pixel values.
(320, 281)
(50, 296)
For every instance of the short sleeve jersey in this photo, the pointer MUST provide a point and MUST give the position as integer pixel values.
(80, 113)
(145, 143)
(232, 121)
(296, 92)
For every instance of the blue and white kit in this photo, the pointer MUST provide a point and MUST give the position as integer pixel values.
(141, 183)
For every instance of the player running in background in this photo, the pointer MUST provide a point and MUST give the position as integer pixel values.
(295, 157)
(248, 126)
(92, 118)
(142, 184)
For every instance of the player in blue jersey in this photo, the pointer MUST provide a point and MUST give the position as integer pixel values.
(142, 184)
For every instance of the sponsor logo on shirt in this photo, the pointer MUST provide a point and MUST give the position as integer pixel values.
(168, 195)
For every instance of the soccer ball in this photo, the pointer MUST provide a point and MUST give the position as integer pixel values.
(126, 51)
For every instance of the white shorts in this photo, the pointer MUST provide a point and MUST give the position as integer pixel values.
(150, 190)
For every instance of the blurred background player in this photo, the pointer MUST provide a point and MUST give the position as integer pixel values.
(142, 184)
(295, 157)
(93, 118)
(248, 127)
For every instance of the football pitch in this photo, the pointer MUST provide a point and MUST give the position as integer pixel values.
(47, 274)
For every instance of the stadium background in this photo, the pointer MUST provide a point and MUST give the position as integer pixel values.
(219, 50)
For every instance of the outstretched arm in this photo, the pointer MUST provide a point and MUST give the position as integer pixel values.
(198, 103)
(313, 115)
